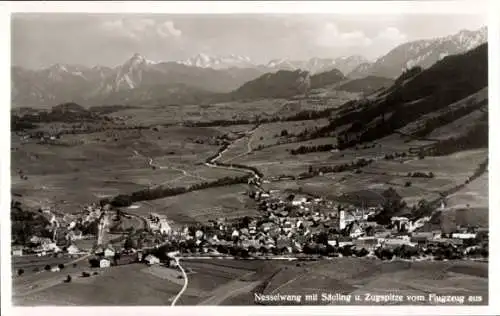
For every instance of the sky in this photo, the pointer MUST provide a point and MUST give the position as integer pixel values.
(43, 39)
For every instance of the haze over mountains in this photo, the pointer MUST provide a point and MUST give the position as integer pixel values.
(141, 80)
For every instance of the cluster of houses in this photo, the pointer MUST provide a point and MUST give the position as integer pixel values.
(64, 229)
(43, 246)
(289, 223)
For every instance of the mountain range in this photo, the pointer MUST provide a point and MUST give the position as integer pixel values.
(139, 80)
(423, 53)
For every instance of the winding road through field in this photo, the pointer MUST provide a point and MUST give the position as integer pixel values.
(184, 287)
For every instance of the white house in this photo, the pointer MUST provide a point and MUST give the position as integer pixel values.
(332, 243)
(165, 227)
(463, 235)
(299, 201)
(356, 231)
(104, 263)
(172, 254)
(55, 269)
(109, 252)
(17, 251)
(235, 233)
(198, 234)
(51, 247)
(150, 259)
(345, 243)
(73, 250)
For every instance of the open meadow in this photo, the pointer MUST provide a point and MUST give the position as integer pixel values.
(201, 206)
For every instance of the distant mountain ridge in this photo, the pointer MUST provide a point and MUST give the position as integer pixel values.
(316, 65)
(141, 80)
(66, 83)
(218, 62)
(423, 53)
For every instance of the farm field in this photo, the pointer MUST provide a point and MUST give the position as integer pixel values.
(470, 204)
(361, 276)
(70, 176)
(136, 288)
(208, 282)
(449, 172)
(173, 114)
(366, 187)
(201, 206)
(278, 160)
(458, 165)
(269, 134)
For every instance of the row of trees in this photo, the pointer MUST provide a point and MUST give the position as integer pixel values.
(124, 200)
(395, 155)
(418, 174)
(313, 148)
(341, 167)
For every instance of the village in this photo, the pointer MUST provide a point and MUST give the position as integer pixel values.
(290, 226)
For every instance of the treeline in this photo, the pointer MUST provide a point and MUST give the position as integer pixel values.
(342, 167)
(124, 200)
(418, 174)
(19, 124)
(67, 112)
(395, 155)
(479, 171)
(313, 148)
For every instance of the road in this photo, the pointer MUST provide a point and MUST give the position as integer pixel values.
(213, 162)
(184, 287)
(185, 173)
(248, 134)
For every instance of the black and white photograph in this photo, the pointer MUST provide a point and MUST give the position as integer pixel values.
(248, 159)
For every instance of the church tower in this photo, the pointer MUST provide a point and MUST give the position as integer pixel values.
(342, 223)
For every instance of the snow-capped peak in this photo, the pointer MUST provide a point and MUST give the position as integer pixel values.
(203, 60)
(138, 59)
